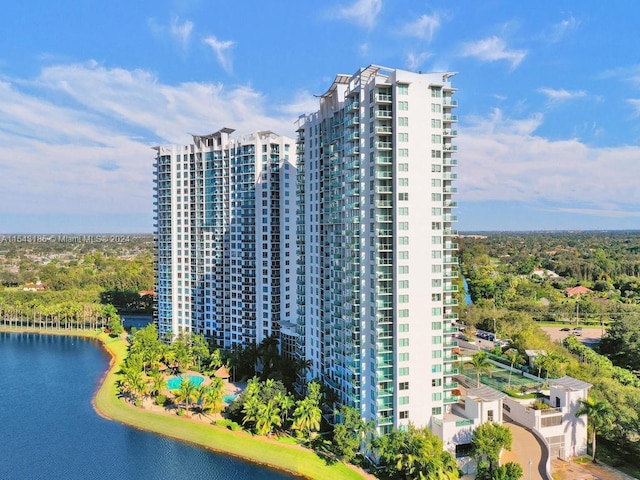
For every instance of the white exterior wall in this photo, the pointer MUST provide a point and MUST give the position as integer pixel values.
(209, 224)
(371, 329)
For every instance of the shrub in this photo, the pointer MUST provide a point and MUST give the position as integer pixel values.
(540, 406)
(230, 424)
(161, 400)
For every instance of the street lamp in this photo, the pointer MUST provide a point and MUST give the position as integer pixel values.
(530, 463)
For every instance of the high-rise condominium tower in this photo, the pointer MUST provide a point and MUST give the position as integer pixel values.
(225, 236)
(375, 244)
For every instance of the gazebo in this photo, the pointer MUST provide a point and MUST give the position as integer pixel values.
(222, 372)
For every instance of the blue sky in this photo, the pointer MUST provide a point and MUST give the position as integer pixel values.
(549, 96)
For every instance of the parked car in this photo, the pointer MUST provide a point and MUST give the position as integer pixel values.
(578, 328)
(565, 329)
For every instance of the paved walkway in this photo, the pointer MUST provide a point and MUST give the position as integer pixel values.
(526, 450)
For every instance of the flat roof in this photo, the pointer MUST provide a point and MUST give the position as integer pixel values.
(571, 383)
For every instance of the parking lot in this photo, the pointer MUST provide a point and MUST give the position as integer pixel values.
(588, 335)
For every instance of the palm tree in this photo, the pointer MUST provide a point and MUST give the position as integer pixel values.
(133, 383)
(285, 402)
(210, 397)
(480, 363)
(599, 415)
(306, 417)
(268, 417)
(514, 356)
(250, 409)
(157, 384)
(186, 393)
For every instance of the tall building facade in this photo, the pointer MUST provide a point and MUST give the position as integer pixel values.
(225, 236)
(376, 249)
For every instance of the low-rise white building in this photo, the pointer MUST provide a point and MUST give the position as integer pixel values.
(564, 433)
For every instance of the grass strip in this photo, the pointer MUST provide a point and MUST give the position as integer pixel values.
(279, 455)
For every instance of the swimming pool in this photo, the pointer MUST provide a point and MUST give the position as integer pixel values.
(174, 382)
(229, 398)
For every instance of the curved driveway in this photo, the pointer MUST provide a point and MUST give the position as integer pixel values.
(526, 447)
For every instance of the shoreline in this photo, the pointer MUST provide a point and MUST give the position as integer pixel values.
(291, 459)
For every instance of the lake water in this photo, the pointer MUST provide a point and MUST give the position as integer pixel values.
(49, 429)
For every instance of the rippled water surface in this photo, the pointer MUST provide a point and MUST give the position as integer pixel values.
(49, 429)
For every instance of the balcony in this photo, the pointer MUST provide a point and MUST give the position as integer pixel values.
(447, 117)
(383, 98)
(384, 114)
(384, 145)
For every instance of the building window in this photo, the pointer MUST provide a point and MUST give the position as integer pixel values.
(436, 382)
(403, 240)
(436, 92)
(403, 197)
(403, 342)
(404, 414)
(404, 106)
(436, 354)
(403, 121)
(403, 371)
(436, 411)
(436, 340)
(403, 167)
(436, 123)
(436, 168)
(403, 357)
(403, 284)
(404, 137)
(436, 108)
(436, 311)
(436, 154)
(436, 139)
(403, 298)
(403, 182)
(403, 327)
(403, 152)
(404, 255)
(403, 386)
(403, 225)
(403, 400)
(403, 89)
(436, 325)
(436, 368)
(404, 313)
(403, 269)
(436, 396)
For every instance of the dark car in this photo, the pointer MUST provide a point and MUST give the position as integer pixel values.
(565, 329)
(578, 328)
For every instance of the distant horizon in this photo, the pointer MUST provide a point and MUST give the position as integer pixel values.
(4, 236)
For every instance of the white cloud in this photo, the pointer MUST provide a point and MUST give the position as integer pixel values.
(505, 161)
(77, 138)
(635, 103)
(221, 47)
(303, 102)
(493, 49)
(180, 32)
(559, 29)
(561, 95)
(630, 74)
(423, 27)
(362, 12)
(415, 60)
